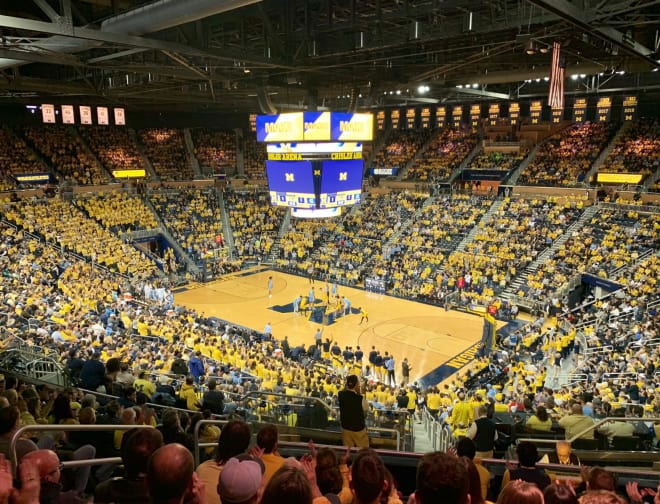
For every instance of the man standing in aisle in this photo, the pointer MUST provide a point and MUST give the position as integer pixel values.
(352, 412)
(390, 364)
(484, 433)
(405, 372)
(318, 338)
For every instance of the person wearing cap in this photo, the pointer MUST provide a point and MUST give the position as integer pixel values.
(234, 440)
(241, 481)
(353, 407)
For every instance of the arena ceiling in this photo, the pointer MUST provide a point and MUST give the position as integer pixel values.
(252, 55)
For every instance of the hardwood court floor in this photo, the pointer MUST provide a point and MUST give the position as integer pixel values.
(428, 336)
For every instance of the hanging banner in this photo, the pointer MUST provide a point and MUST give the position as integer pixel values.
(556, 115)
(380, 120)
(102, 116)
(85, 114)
(535, 111)
(604, 108)
(457, 116)
(395, 115)
(253, 123)
(411, 118)
(120, 117)
(579, 110)
(514, 113)
(493, 114)
(440, 117)
(48, 113)
(475, 115)
(67, 115)
(629, 110)
(425, 115)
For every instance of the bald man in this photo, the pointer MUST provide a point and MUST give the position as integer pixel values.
(48, 464)
(170, 476)
(50, 474)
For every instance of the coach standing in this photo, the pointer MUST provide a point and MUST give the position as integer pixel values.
(352, 411)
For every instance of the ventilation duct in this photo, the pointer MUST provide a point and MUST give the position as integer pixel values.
(263, 100)
(156, 16)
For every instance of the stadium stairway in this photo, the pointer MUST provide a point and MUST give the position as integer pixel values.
(466, 161)
(494, 208)
(75, 133)
(651, 179)
(227, 232)
(407, 223)
(30, 147)
(515, 175)
(605, 152)
(422, 149)
(190, 147)
(284, 228)
(520, 279)
(140, 148)
(162, 229)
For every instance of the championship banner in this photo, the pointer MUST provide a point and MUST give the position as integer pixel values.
(604, 108)
(395, 115)
(493, 114)
(440, 117)
(514, 113)
(67, 115)
(253, 123)
(556, 115)
(120, 117)
(425, 115)
(85, 114)
(380, 120)
(411, 118)
(535, 111)
(629, 110)
(102, 116)
(475, 115)
(48, 113)
(579, 110)
(457, 116)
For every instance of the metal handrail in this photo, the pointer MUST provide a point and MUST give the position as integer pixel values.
(70, 428)
(599, 349)
(591, 428)
(303, 399)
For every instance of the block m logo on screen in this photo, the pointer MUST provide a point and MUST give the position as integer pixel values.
(289, 177)
(343, 176)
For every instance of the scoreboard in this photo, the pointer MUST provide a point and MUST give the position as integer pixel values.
(311, 175)
(314, 159)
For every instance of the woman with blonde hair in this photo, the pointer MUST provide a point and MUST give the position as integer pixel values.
(520, 492)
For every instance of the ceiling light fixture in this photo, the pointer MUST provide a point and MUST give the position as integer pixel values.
(530, 47)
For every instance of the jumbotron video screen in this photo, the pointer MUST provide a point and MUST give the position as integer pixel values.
(314, 160)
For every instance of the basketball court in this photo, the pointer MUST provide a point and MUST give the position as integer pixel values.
(428, 336)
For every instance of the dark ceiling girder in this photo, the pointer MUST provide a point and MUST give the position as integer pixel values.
(579, 18)
(40, 57)
(48, 10)
(117, 38)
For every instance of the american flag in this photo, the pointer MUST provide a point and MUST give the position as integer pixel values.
(556, 93)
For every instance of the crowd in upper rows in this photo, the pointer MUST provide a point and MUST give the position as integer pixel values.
(89, 155)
